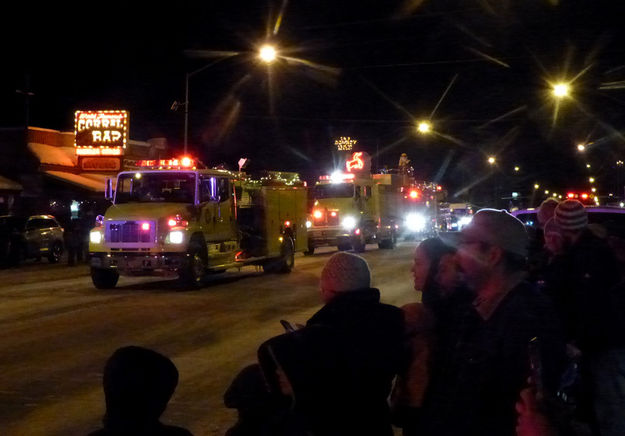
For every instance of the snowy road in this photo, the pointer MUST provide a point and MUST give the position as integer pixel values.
(57, 331)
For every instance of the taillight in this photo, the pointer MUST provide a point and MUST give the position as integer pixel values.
(317, 214)
(145, 227)
(287, 224)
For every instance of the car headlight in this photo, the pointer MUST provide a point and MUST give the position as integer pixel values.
(349, 223)
(176, 237)
(415, 222)
(95, 237)
(308, 224)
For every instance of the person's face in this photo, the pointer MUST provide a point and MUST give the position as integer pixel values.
(420, 267)
(554, 243)
(475, 260)
(448, 275)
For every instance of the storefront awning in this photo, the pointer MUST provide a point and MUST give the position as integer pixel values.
(89, 181)
(51, 155)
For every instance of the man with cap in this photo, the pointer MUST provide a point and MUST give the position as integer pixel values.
(583, 283)
(371, 336)
(482, 363)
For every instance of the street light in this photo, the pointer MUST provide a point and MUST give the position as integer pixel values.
(424, 127)
(581, 148)
(536, 186)
(267, 53)
(491, 160)
(591, 179)
(516, 169)
(561, 90)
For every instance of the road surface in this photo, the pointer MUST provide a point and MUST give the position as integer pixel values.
(57, 332)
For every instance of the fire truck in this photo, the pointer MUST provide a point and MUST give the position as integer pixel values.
(354, 207)
(420, 209)
(173, 217)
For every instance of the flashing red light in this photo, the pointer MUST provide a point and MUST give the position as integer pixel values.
(570, 195)
(414, 194)
(439, 188)
(177, 221)
(584, 196)
(185, 162)
(357, 231)
(333, 214)
(287, 224)
(145, 227)
(318, 214)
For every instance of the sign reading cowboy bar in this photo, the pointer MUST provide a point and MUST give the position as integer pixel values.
(100, 133)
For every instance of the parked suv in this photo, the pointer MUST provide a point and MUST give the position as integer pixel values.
(27, 237)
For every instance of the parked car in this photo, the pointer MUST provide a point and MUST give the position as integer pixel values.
(30, 237)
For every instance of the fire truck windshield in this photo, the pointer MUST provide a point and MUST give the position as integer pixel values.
(334, 190)
(156, 187)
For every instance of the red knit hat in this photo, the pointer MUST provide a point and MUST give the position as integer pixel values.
(571, 215)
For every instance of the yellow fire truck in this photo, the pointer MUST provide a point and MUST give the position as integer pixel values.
(170, 217)
(354, 208)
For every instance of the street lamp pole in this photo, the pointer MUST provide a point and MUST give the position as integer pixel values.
(186, 99)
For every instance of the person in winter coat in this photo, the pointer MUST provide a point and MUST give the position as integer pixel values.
(138, 383)
(482, 361)
(339, 368)
(584, 281)
(435, 276)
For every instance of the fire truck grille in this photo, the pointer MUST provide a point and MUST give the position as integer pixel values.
(130, 231)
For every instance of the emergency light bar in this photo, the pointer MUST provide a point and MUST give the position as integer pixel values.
(338, 177)
(184, 162)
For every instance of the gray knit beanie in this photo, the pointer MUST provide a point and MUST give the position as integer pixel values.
(345, 272)
(571, 215)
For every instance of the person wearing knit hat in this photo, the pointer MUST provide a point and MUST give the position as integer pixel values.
(344, 272)
(571, 216)
(371, 335)
(546, 210)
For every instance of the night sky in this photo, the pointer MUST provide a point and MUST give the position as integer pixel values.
(371, 69)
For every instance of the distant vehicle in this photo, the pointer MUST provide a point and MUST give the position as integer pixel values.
(452, 217)
(30, 237)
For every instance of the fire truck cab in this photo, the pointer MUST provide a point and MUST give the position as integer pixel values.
(171, 217)
(352, 209)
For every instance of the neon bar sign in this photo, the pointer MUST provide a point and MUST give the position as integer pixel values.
(100, 129)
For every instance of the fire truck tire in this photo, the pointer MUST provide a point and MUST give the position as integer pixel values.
(344, 246)
(104, 278)
(359, 244)
(195, 270)
(284, 264)
(388, 244)
(310, 251)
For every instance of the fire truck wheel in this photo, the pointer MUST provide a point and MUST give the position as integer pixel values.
(359, 244)
(104, 278)
(284, 264)
(194, 271)
(310, 251)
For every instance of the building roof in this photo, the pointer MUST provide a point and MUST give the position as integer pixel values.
(54, 155)
(9, 185)
(90, 181)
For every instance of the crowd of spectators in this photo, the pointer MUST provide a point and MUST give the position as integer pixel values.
(515, 334)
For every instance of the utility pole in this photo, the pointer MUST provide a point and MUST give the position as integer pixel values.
(27, 95)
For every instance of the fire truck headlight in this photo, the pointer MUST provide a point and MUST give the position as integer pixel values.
(95, 237)
(349, 223)
(308, 224)
(464, 221)
(415, 222)
(176, 237)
